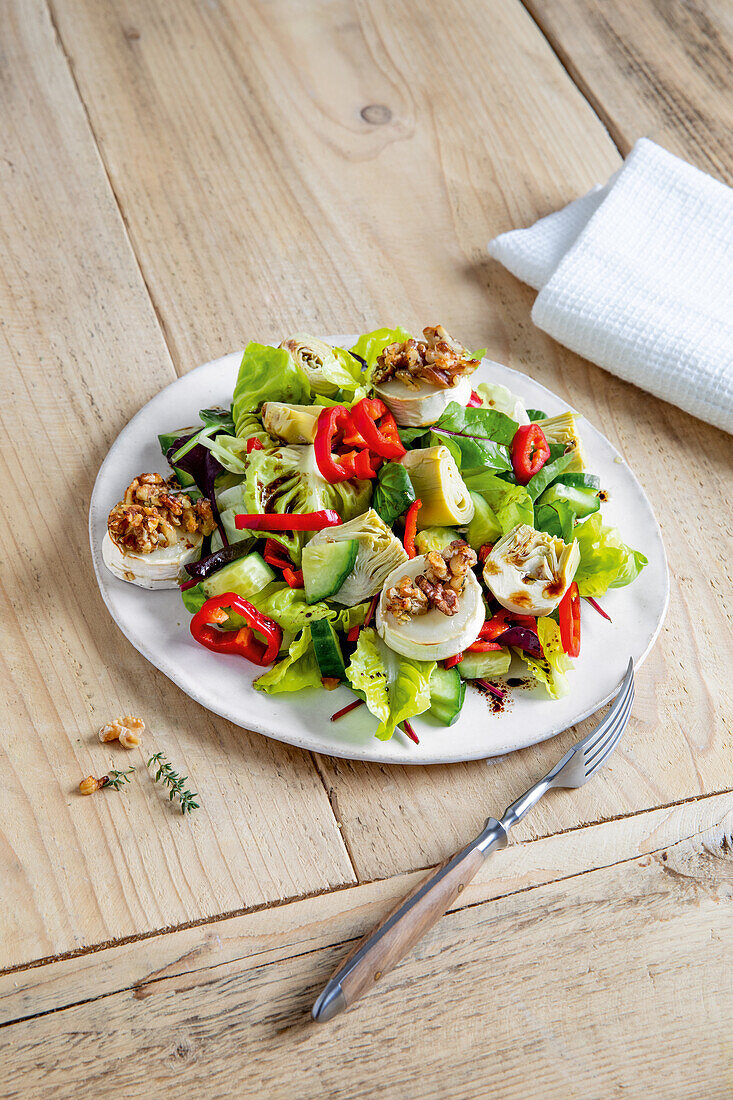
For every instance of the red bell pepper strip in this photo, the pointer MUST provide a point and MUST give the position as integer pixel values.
(274, 554)
(569, 611)
(411, 528)
(298, 521)
(484, 551)
(375, 423)
(496, 625)
(530, 451)
(451, 662)
(333, 428)
(353, 635)
(475, 401)
(293, 577)
(243, 642)
(366, 464)
(253, 444)
(482, 646)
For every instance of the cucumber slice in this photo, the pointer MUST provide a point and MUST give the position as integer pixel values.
(583, 500)
(245, 577)
(326, 565)
(327, 649)
(447, 692)
(485, 666)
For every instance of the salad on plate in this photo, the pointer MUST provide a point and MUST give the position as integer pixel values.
(367, 517)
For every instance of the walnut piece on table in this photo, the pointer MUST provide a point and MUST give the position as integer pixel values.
(127, 730)
(438, 359)
(92, 784)
(154, 512)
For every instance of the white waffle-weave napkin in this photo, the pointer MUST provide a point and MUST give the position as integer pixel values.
(637, 276)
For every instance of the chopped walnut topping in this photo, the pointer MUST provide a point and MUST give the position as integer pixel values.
(127, 730)
(438, 587)
(153, 513)
(90, 784)
(439, 360)
(405, 601)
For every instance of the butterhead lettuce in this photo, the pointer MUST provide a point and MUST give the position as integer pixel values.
(549, 669)
(605, 561)
(297, 669)
(395, 688)
(266, 374)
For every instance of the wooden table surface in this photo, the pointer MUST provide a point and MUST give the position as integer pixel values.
(178, 177)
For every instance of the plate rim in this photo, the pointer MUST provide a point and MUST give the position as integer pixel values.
(348, 752)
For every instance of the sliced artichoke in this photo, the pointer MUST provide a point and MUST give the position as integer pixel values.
(379, 553)
(433, 636)
(424, 404)
(564, 429)
(327, 369)
(291, 423)
(438, 484)
(496, 396)
(529, 571)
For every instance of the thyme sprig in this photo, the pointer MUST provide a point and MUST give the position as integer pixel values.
(116, 780)
(175, 783)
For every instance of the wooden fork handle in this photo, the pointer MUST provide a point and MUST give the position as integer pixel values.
(380, 951)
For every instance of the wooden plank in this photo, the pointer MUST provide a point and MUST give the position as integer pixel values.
(81, 350)
(625, 960)
(658, 70)
(258, 178)
(254, 939)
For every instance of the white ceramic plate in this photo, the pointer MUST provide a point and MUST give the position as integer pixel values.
(157, 624)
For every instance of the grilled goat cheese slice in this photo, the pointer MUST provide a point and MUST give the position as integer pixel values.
(162, 568)
(529, 571)
(433, 636)
(424, 405)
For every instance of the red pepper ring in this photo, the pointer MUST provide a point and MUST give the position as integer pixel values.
(373, 420)
(530, 451)
(569, 614)
(333, 427)
(243, 642)
(475, 402)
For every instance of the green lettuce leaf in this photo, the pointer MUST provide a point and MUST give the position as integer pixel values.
(556, 519)
(394, 493)
(475, 437)
(511, 504)
(369, 346)
(266, 374)
(288, 608)
(394, 687)
(297, 669)
(484, 526)
(550, 669)
(549, 472)
(605, 561)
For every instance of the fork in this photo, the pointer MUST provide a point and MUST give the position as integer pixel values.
(380, 951)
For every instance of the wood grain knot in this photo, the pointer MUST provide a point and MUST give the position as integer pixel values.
(377, 975)
(132, 34)
(376, 114)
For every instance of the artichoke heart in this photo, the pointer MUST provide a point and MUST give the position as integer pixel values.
(378, 555)
(291, 423)
(529, 571)
(437, 482)
(564, 429)
(328, 370)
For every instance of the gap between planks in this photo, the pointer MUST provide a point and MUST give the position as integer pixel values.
(653, 831)
(574, 75)
(174, 358)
